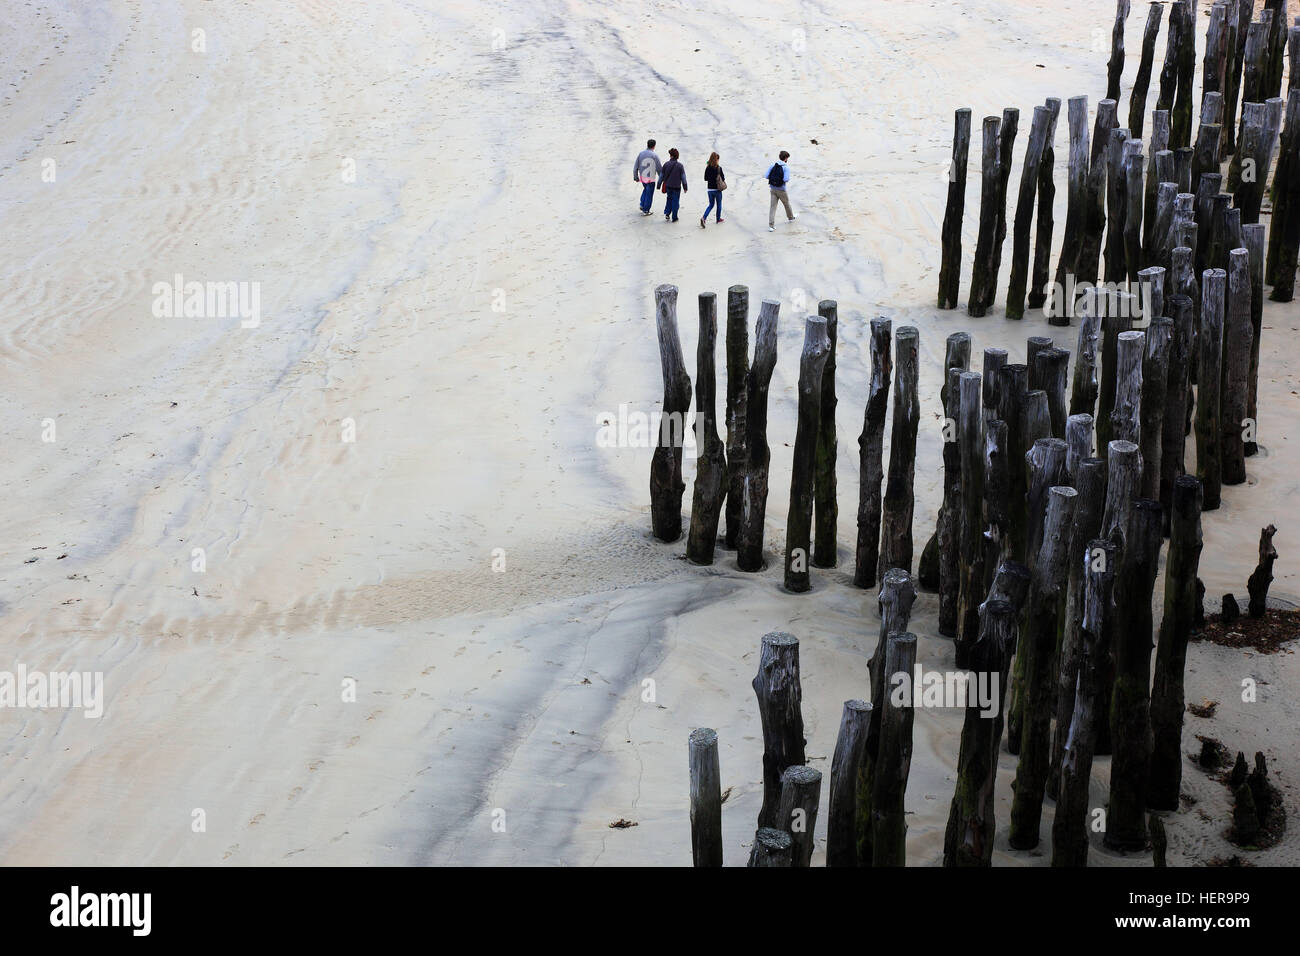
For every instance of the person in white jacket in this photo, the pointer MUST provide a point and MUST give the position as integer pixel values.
(645, 170)
(778, 181)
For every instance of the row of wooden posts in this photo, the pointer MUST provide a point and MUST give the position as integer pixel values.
(1110, 206)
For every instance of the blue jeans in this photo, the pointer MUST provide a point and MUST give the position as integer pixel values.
(647, 196)
(715, 196)
(673, 204)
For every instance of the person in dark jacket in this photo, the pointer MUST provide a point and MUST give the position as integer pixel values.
(672, 180)
(713, 181)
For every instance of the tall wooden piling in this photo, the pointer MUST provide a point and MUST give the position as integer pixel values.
(1006, 148)
(711, 464)
(780, 707)
(798, 533)
(826, 499)
(871, 444)
(1020, 246)
(706, 797)
(801, 789)
(1209, 345)
(896, 518)
(1078, 209)
(1285, 254)
(970, 524)
(749, 543)
(1177, 400)
(1084, 388)
(1137, 105)
(1045, 223)
(1253, 236)
(1115, 65)
(1237, 346)
(737, 372)
(894, 758)
(950, 270)
(1116, 193)
(666, 483)
(981, 280)
(842, 803)
(1158, 339)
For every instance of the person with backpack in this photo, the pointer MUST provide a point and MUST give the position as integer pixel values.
(645, 170)
(672, 180)
(715, 182)
(778, 178)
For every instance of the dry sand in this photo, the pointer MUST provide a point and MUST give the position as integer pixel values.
(472, 302)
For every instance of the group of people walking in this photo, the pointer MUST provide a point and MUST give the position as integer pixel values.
(670, 179)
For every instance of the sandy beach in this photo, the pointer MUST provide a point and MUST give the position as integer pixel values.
(362, 584)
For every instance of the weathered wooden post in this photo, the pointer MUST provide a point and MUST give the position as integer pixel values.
(1116, 192)
(711, 464)
(1020, 246)
(666, 484)
(871, 446)
(1157, 248)
(1124, 476)
(1070, 825)
(1083, 390)
(1006, 146)
(894, 758)
(801, 791)
(842, 806)
(1214, 63)
(982, 279)
(1038, 648)
(1133, 166)
(1051, 369)
(968, 840)
(949, 535)
(1209, 345)
(1253, 235)
(737, 372)
(1169, 68)
(950, 270)
(1239, 13)
(706, 797)
(1207, 189)
(1130, 707)
(1090, 481)
(1248, 193)
(1164, 780)
(1077, 211)
(780, 700)
(994, 360)
(896, 518)
(1078, 444)
(1116, 320)
(1177, 398)
(996, 538)
(970, 524)
(1046, 199)
(825, 550)
(956, 359)
(897, 594)
(1155, 392)
(798, 532)
(1281, 195)
(772, 847)
(1137, 105)
(1159, 171)
(1237, 334)
(1151, 286)
(753, 512)
(1262, 576)
(1286, 207)
(1115, 65)
(1182, 111)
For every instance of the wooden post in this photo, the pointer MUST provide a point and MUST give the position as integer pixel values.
(1046, 199)
(1286, 207)
(1039, 651)
(896, 519)
(1130, 708)
(1251, 96)
(894, 759)
(950, 270)
(1151, 286)
(1013, 386)
(996, 537)
(949, 534)
(1115, 321)
(1137, 105)
(1133, 166)
(1177, 398)
(1078, 444)
(737, 371)
(1213, 65)
(1253, 235)
(1237, 334)
(706, 797)
(1209, 344)
(994, 360)
(1033, 345)
(825, 551)
(970, 524)
(1162, 229)
(1078, 209)
(1115, 65)
(1090, 481)
(929, 571)
(968, 840)
(1126, 416)
(1285, 170)
(1262, 576)
(1249, 192)
(871, 444)
(1051, 368)
(801, 791)
(1239, 13)
(666, 484)
(1164, 780)
(749, 544)
(897, 594)
(1159, 171)
(1025, 213)
(1169, 68)
(711, 465)
(842, 809)
(776, 685)
(1070, 825)
(1155, 392)
(1083, 391)
(1123, 481)
(798, 533)
(1276, 46)
(772, 847)
(1184, 276)
(1116, 192)
(1181, 119)
(981, 271)
(1207, 189)
(1006, 146)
